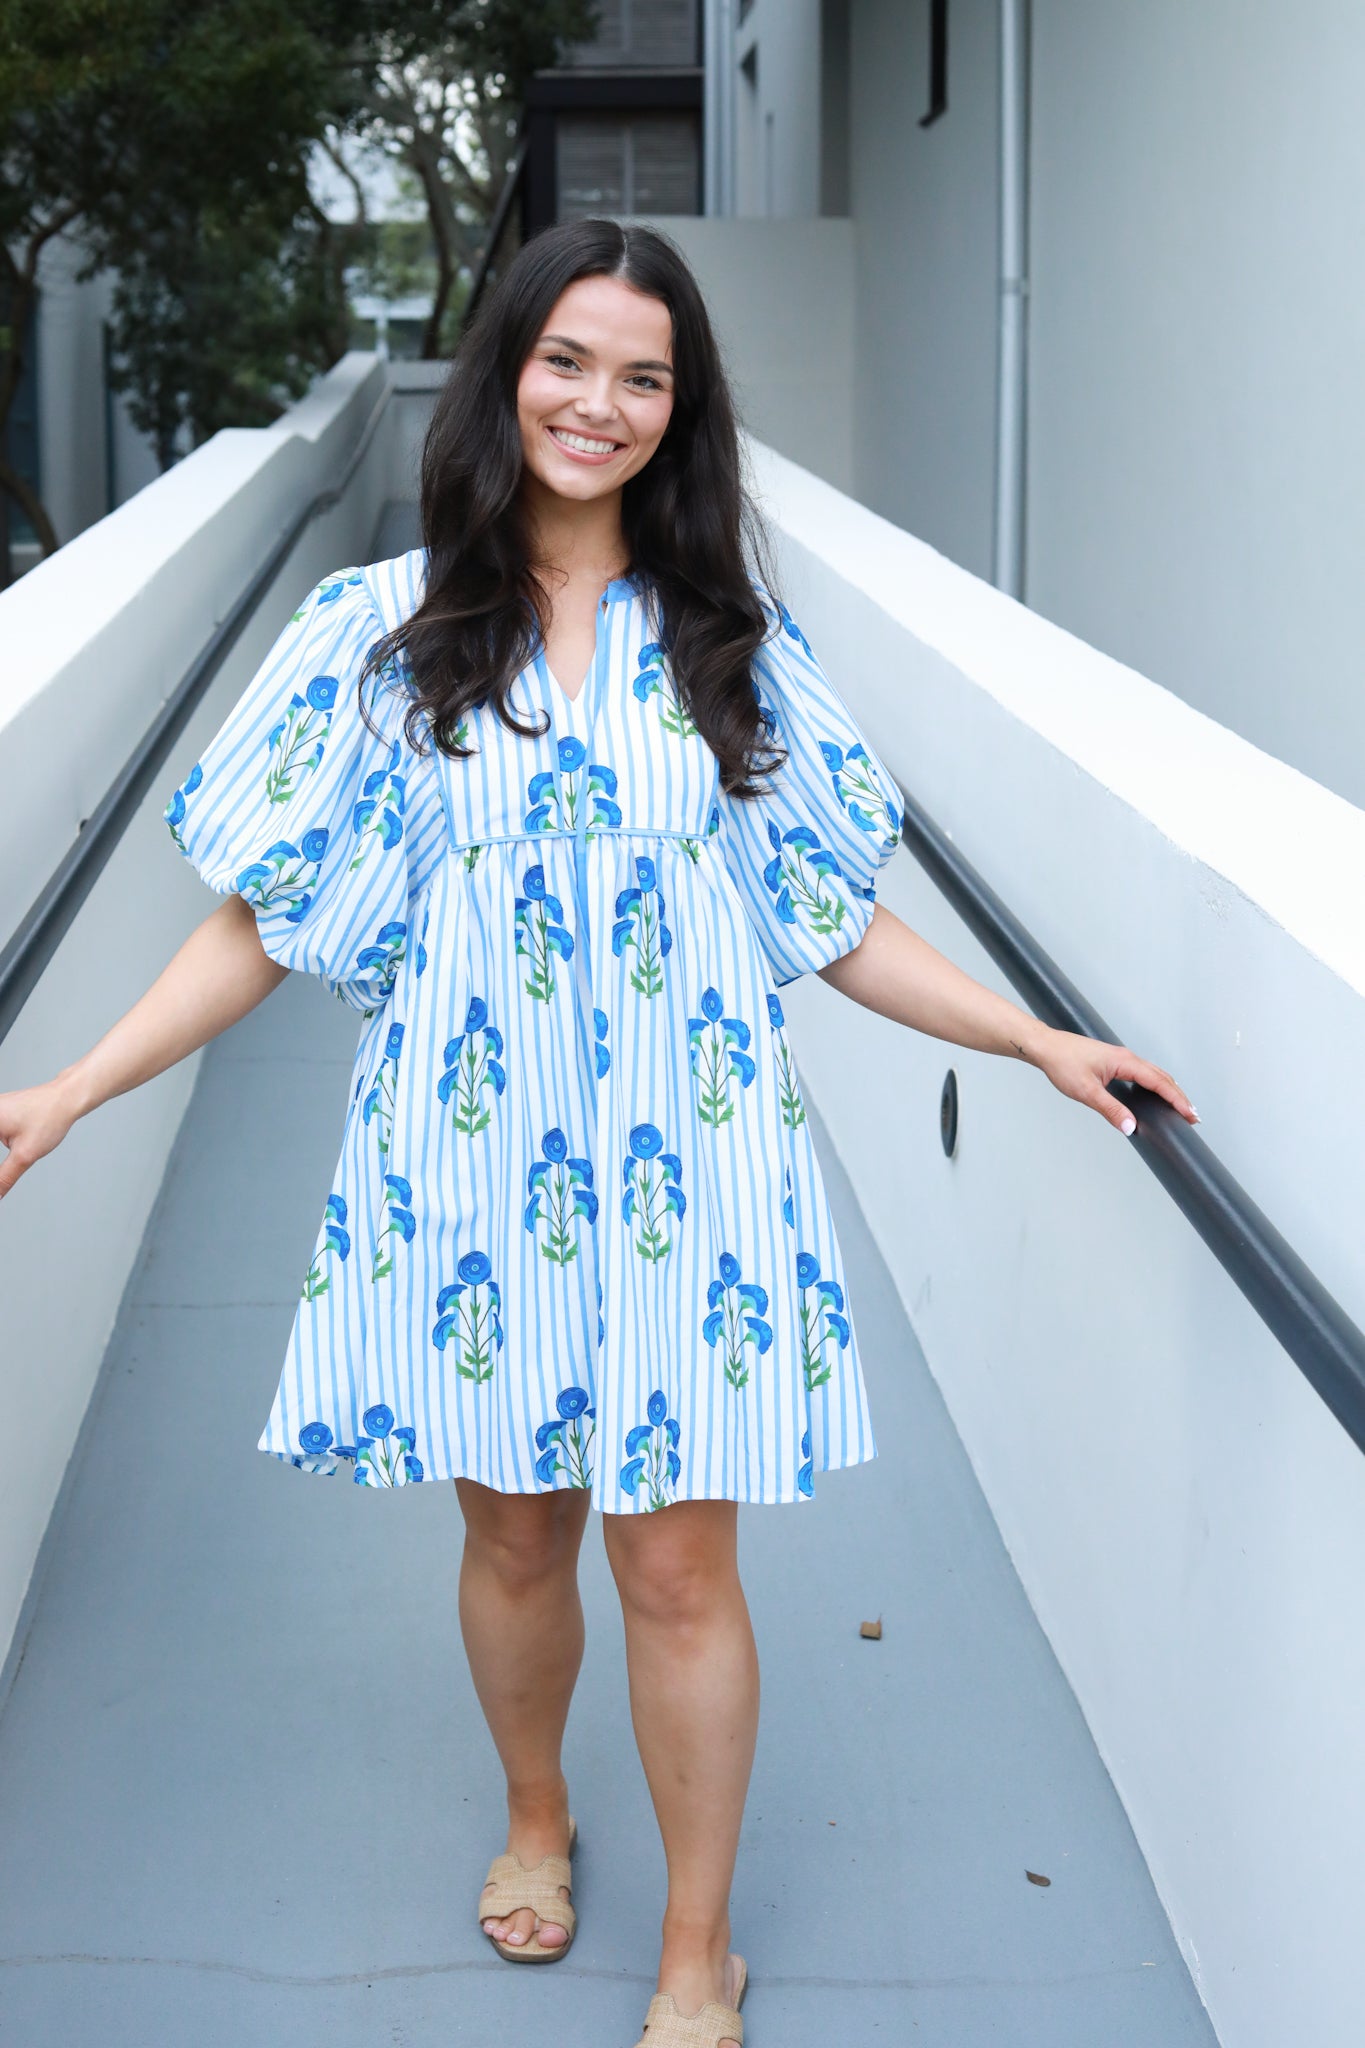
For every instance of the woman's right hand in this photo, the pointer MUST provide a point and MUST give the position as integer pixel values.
(220, 973)
(33, 1122)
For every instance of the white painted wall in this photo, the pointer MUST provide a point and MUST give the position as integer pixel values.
(1197, 425)
(778, 118)
(1196, 430)
(73, 419)
(94, 639)
(924, 207)
(1187, 1517)
(781, 299)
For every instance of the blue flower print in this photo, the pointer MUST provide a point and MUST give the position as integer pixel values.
(599, 1022)
(653, 681)
(318, 1452)
(336, 1243)
(693, 846)
(640, 923)
(385, 1456)
(789, 1202)
(798, 874)
(379, 813)
(564, 1187)
(378, 1106)
(399, 1225)
(387, 953)
(578, 791)
(285, 875)
(174, 813)
(540, 933)
(805, 1476)
(329, 590)
(822, 1317)
(474, 1075)
(419, 965)
(860, 793)
(793, 631)
(788, 1081)
(554, 798)
(653, 1191)
(467, 1312)
(652, 1454)
(297, 741)
(719, 1047)
(736, 1319)
(604, 813)
(601, 1324)
(565, 1442)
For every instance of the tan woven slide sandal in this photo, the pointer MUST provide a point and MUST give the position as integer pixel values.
(511, 1886)
(666, 2027)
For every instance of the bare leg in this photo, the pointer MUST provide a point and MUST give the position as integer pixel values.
(694, 1702)
(523, 1633)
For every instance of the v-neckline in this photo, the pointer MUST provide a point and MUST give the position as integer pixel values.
(619, 587)
(561, 689)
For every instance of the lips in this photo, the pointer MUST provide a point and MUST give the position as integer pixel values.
(594, 448)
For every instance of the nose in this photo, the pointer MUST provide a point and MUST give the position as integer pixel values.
(594, 402)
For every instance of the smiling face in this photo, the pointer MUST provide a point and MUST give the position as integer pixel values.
(596, 392)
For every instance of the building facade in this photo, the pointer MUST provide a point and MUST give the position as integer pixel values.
(1187, 331)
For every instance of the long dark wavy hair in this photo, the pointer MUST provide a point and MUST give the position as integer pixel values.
(693, 533)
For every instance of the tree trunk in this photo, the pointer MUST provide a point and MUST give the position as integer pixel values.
(446, 233)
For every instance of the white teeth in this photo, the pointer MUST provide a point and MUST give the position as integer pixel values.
(581, 442)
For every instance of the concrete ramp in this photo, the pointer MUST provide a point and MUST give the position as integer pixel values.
(246, 1795)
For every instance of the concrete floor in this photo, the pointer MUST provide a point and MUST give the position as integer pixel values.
(246, 1796)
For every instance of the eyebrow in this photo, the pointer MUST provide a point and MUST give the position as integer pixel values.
(580, 348)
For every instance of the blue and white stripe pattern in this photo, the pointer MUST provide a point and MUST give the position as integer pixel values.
(577, 1235)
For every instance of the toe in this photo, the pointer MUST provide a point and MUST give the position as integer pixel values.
(550, 1936)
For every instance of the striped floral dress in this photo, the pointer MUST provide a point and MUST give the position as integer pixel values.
(577, 1234)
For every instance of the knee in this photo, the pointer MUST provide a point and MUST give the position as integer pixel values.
(674, 1577)
(524, 1542)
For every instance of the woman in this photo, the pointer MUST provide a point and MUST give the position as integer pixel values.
(578, 1251)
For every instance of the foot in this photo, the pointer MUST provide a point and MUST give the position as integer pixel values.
(694, 1979)
(533, 1833)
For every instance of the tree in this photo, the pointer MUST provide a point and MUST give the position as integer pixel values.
(222, 321)
(123, 122)
(440, 91)
(171, 139)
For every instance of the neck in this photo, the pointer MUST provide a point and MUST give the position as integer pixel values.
(570, 539)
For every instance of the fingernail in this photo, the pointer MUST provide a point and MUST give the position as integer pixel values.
(1128, 1126)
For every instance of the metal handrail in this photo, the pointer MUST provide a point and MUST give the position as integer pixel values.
(497, 223)
(41, 931)
(1314, 1329)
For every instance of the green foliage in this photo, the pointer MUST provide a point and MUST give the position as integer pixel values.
(223, 320)
(171, 138)
(441, 95)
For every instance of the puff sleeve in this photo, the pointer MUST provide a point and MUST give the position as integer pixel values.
(805, 854)
(329, 831)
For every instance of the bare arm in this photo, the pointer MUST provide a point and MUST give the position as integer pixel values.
(220, 973)
(900, 975)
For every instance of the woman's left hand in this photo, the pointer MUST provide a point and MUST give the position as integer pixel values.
(1082, 1068)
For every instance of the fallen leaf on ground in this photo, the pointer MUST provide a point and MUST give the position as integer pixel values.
(1034, 1878)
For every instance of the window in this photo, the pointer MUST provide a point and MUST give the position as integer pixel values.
(636, 163)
